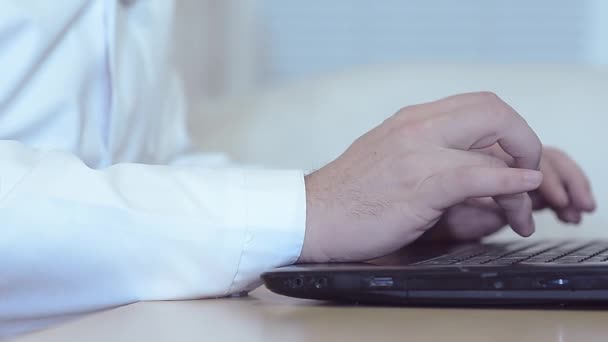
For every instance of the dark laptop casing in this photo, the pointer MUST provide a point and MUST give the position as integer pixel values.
(393, 280)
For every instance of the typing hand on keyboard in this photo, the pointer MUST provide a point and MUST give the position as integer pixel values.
(565, 190)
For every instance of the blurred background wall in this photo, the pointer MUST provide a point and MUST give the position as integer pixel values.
(236, 45)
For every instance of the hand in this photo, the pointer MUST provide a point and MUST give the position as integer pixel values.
(565, 190)
(395, 182)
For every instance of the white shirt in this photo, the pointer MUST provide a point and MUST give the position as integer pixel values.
(87, 89)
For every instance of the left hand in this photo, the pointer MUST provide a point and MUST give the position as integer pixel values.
(565, 190)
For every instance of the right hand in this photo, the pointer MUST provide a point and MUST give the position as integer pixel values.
(395, 182)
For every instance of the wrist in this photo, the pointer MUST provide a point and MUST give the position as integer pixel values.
(312, 250)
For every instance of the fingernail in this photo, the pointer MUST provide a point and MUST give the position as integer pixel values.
(569, 216)
(578, 218)
(529, 228)
(533, 177)
(573, 217)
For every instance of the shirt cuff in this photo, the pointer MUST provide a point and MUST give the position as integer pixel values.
(275, 217)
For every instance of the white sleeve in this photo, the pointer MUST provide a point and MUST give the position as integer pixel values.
(74, 240)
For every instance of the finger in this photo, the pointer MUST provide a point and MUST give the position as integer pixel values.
(454, 186)
(553, 190)
(482, 121)
(518, 211)
(575, 180)
(486, 203)
(517, 208)
(538, 201)
(483, 222)
(508, 186)
(570, 215)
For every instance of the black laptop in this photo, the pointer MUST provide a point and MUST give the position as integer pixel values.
(512, 273)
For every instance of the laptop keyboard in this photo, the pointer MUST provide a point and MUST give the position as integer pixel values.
(528, 253)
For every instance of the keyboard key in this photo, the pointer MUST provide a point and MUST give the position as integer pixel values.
(566, 261)
(534, 253)
(595, 259)
(437, 263)
(501, 262)
(570, 258)
(534, 261)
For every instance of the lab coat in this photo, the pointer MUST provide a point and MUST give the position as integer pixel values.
(102, 202)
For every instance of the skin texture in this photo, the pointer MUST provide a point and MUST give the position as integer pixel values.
(459, 168)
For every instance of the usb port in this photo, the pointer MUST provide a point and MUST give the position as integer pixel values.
(381, 282)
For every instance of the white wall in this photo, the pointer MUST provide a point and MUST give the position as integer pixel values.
(229, 47)
(597, 32)
(308, 38)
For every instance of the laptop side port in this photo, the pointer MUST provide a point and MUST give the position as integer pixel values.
(320, 283)
(297, 282)
(381, 282)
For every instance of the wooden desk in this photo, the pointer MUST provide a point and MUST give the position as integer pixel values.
(267, 317)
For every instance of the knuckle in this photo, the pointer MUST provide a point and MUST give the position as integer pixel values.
(487, 97)
(461, 175)
(495, 106)
(408, 114)
(405, 112)
(407, 125)
(503, 113)
(418, 124)
(401, 117)
(496, 163)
